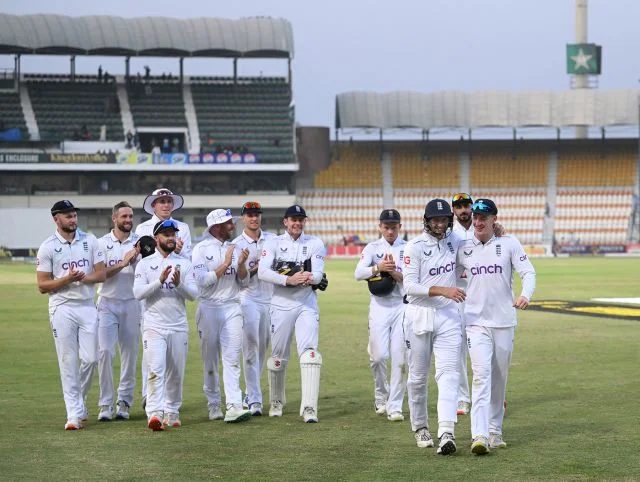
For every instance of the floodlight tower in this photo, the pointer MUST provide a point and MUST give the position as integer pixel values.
(581, 81)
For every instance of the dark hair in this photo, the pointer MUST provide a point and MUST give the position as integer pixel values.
(121, 204)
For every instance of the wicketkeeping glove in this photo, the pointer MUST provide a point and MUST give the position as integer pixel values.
(324, 282)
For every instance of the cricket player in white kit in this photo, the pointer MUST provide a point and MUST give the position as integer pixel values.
(164, 280)
(162, 203)
(118, 314)
(463, 227)
(254, 301)
(432, 323)
(294, 262)
(490, 313)
(386, 310)
(220, 269)
(69, 263)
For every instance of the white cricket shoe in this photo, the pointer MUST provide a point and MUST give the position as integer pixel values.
(122, 412)
(215, 413)
(447, 444)
(423, 438)
(395, 417)
(245, 402)
(480, 445)
(73, 424)
(106, 413)
(496, 441)
(235, 414)
(309, 415)
(463, 408)
(171, 419)
(276, 409)
(256, 409)
(380, 407)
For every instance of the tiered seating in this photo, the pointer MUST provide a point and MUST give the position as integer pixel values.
(359, 167)
(157, 105)
(500, 170)
(412, 171)
(63, 107)
(595, 197)
(11, 113)
(339, 212)
(252, 113)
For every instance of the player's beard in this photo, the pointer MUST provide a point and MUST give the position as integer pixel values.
(71, 229)
(463, 218)
(168, 247)
(125, 227)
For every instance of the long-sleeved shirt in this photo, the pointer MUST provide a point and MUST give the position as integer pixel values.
(257, 290)
(372, 254)
(57, 256)
(489, 269)
(209, 255)
(285, 248)
(164, 306)
(120, 285)
(146, 229)
(430, 262)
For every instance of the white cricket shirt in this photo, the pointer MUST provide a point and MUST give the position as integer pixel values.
(257, 290)
(164, 306)
(430, 262)
(207, 256)
(285, 248)
(464, 234)
(489, 269)
(119, 286)
(146, 229)
(57, 256)
(372, 254)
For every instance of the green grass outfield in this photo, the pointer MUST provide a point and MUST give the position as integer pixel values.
(573, 401)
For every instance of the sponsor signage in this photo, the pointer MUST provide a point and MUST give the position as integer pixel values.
(580, 249)
(183, 158)
(587, 308)
(82, 158)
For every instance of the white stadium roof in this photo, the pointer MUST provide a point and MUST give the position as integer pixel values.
(110, 35)
(486, 109)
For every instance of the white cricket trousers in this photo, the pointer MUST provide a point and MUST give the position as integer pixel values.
(386, 337)
(443, 342)
(165, 354)
(118, 323)
(75, 332)
(220, 333)
(490, 350)
(255, 333)
(302, 319)
(463, 385)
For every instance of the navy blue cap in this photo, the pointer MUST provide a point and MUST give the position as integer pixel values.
(295, 211)
(436, 208)
(484, 206)
(164, 225)
(390, 216)
(62, 207)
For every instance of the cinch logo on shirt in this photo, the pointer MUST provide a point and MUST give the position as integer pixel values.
(230, 271)
(491, 269)
(82, 263)
(168, 285)
(113, 262)
(447, 268)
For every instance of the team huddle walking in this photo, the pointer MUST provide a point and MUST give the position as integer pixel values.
(450, 292)
(444, 295)
(145, 279)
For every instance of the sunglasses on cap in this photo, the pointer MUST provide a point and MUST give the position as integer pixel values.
(461, 197)
(251, 206)
(166, 224)
(479, 206)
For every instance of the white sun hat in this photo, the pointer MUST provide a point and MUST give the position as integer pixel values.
(178, 201)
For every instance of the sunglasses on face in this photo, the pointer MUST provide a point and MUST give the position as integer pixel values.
(480, 207)
(461, 197)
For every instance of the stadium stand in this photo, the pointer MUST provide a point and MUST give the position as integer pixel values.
(11, 114)
(62, 108)
(157, 104)
(253, 113)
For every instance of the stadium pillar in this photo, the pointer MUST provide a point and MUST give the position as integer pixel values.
(337, 153)
(127, 69)
(289, 72)
(235, 70)
(181, 70)
(581, 80)
(16, 70)
(72, 70)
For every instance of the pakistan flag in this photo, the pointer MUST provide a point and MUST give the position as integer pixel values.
(584, 59)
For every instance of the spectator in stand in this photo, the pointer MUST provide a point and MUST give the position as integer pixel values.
(165, 146)
(100, 74)
(176, 145)
(147, 72)
(129, 140)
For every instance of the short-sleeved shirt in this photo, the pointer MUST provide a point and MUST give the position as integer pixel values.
(372, 254)
(119, 286)
(184, 233)
(256, 290)
(58, 256)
